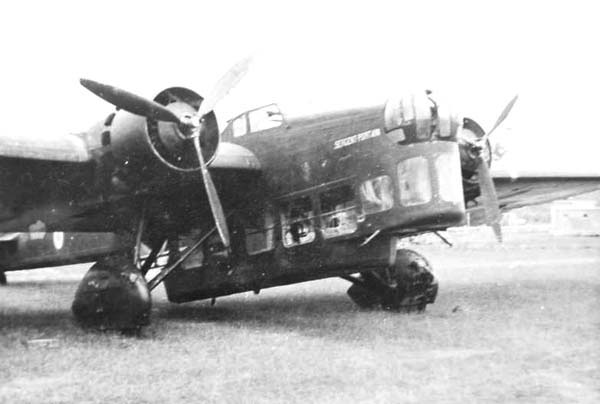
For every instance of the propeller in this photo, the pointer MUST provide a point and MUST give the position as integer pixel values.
(501, 118)
(487, 189)
(229, 80)
(130, 102)
(191, 126)
(213, 197)
(489, 198)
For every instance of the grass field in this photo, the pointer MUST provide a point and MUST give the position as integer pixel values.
(518, 323)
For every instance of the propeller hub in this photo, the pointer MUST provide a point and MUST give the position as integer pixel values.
(190, 125)
(174, 142)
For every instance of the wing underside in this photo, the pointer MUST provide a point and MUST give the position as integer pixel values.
(514, 193)
(520, 192)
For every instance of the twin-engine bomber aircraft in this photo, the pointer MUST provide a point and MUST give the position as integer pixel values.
(269, 201)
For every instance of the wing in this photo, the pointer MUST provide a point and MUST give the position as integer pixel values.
(35, 172)
(527, 191)
(527, 188)
(68, 149)
(531, 188)
(57, 181)
(36, 250)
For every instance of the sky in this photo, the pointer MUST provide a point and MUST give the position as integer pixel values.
(315, 55)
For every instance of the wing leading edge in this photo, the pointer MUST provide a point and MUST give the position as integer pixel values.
(69, 148)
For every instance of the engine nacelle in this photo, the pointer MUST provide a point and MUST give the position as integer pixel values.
(143, 150)
(470, 133)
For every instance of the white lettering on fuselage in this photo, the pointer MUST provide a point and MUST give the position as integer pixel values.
(359, 137)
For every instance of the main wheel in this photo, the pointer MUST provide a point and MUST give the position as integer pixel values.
(113, 295)
(412, 285)
(363, 297)
(407, 286)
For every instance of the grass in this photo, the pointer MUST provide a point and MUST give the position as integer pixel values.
(517, 334)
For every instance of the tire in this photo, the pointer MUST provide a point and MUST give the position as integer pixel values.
(414, 284)
(363, 297)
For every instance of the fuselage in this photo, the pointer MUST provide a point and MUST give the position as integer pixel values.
(331, 194)
(334, 194)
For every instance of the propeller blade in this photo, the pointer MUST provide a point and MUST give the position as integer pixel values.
(489, 198)
(501, 118)
(130, 102)
(224, 85)
(213, 197)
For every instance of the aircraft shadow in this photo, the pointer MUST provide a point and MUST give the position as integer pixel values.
(37, 322)
(322, 303)
(315, 315)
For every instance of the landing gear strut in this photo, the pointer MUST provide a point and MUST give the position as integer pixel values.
(2, 278)
(114, 295)
(406, 286)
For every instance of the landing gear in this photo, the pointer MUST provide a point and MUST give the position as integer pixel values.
(2, 278)
(113, 295)
(407, 286)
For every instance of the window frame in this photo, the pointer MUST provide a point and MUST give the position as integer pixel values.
(246, 125)
(267, 228)
(445, 173)
(258, 110)
(286, 205)
(390, 182)
(323, 215)
(430, 185)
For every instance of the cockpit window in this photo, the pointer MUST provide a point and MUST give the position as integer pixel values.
(239, 126)
(265, 118)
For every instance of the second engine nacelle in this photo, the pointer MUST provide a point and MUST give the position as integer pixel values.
(469, 157)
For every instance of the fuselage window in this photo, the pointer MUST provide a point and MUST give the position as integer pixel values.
(297, 222)
(198, 257)
(338, 212)
(265, 118)
(239, 126)
(414, 181)
(259, 229)
(447, 167)
(376, 195)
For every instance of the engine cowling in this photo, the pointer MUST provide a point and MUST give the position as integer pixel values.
(471, 132)
(143, 150)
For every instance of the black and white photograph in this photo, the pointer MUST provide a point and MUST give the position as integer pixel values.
(299, 202)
